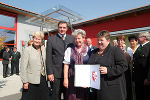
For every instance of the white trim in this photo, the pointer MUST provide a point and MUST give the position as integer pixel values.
(131, 31)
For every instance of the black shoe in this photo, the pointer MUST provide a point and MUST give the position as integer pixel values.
(17, 73)
(4, 76)
(11, 74)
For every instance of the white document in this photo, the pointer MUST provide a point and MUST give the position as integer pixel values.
(87, 76)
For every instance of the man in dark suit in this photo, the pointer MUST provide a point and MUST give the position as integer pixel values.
(15, 61)
(89, 44)
(141, 69)
(56, 46)
(5, 62)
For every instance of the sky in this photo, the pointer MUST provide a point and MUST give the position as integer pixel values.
(89, 9)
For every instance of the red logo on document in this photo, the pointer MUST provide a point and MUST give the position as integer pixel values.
(94, 76)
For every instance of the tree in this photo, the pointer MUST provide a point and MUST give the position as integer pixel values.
(2, 39)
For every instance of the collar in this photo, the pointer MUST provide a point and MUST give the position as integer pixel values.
(106, 49)
(90, 46)
(145, 43)
(61, 35)
(35, 47)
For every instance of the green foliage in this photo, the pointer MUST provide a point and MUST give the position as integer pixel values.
(2, 39)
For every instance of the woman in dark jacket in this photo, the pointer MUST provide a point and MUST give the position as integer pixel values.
(113, 64)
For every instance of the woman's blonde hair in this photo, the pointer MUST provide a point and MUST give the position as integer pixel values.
(38, 34)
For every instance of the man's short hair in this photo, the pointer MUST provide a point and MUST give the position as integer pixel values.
(14, 47)
(60, 22)
(7, 48)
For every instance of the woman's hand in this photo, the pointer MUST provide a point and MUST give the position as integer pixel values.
(66, 83)
(26, 85)
(103, 69)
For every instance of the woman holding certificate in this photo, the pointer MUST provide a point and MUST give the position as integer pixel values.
(113, 64)
(76, 54)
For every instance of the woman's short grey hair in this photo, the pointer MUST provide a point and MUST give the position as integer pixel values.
(145, 34)
(38, 34)
(79, 31)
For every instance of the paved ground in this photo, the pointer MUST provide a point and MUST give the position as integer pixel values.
(12, 97)
(10, 88)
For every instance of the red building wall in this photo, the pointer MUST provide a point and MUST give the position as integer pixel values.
(115, 24)
(126, 23)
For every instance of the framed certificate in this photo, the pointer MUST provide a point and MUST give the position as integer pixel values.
(87, 76)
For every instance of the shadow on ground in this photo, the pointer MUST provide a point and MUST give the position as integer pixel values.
(2, 83)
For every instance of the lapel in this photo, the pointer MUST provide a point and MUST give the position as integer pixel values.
(60, 42)
(138, 52)
(145, 45)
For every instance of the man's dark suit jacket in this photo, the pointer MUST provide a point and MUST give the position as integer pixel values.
(55, 54)
(141, 64)
(6, 56)
(93, 48)
(15, 57)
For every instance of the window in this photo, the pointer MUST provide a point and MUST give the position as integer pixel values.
(7, 21)
(8, 30)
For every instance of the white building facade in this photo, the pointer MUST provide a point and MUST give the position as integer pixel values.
(15, 31)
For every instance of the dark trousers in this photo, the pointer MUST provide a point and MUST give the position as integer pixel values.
(92, 94)
(57, 89)
(16, 66)
(36, 91)
(142, 92)
(128, 84)
(5, 69)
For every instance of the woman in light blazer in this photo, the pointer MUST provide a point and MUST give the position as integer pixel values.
(33, 70)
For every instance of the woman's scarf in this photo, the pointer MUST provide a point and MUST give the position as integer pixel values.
(78, 57)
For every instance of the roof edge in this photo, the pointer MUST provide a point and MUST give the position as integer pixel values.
(19, 9)
(114, 15)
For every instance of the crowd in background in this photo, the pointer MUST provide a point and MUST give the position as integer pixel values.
(125, 71)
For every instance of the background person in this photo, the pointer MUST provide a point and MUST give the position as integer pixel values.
(89, 44)
(33, 70)
(5, 61)
(30, 42)
(113, 64)
(131, 50)
(133, 45)
(15, 56)
(121, 44)
(77, 54)
(141, 71)
(56, 46)
(115, 43)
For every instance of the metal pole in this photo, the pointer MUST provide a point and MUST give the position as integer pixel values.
(70, 23)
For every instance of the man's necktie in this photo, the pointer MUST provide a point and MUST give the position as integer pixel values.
(63, 38)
